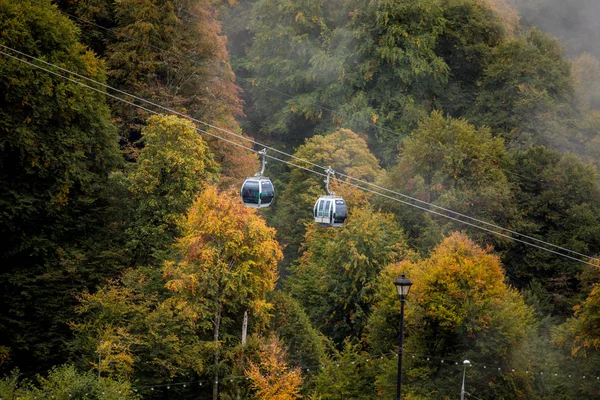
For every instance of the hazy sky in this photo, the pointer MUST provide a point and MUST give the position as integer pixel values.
(576, 23)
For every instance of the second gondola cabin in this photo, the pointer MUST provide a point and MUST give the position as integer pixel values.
(330, 211)
(257, 192)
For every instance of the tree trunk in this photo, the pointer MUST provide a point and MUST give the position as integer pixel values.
(244, 332)
(216, 365)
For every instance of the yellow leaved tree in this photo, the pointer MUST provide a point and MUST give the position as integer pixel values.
(459, 308)
(173, 166)
(228, 265)
(271, 377)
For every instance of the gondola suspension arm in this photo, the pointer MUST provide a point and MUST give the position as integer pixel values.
(263, 153)
(329, 173)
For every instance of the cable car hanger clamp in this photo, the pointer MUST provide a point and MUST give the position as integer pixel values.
(263, 153)
(329, 173)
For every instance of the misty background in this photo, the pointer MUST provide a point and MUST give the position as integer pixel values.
(576, 23)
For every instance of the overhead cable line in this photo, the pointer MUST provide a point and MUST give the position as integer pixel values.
(289, 96)
(464, 216)
(155, 112)
(475, 226)
(458, 214)
(167, 109)
(297, 158)
(143, 43)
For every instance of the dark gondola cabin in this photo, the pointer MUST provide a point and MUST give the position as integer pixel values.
(257, 192)
(330, 211)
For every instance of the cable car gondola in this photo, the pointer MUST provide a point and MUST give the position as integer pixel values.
(257, 191)
(330, 210)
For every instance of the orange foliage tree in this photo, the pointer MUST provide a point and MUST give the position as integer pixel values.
(459, 308)
(271, 377)
(581, 334)
(153, 324)
(579, 340)
(228, 264)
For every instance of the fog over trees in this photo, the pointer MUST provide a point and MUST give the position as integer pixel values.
(465, 140)
(576, 23)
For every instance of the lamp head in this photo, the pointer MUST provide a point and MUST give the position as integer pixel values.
(402, 286)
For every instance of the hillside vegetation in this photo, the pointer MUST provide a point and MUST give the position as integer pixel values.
(466, 146)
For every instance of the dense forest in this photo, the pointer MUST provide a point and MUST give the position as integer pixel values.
(465, 140)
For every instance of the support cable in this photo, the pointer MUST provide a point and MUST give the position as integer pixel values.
(108, 87)
(456, 213)
(289, 96)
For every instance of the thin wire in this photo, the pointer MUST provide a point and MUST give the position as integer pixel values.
(275, 158)
(303, 160)
(289, 96)
(473, 225)
(300, 159)
(466, 216)
(280, 160)
(297, 158)
(145, 108)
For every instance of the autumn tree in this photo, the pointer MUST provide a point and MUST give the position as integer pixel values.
(171, 53)
(57, 149)
(459, 308)
(271, 377)
(579, 339)
(456, 166)
(173, 166)
(228, 265)
(153, 325)
(346, 153)
(334, 278)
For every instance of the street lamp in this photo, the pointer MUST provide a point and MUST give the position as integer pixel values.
(403, 287)
(462, 389)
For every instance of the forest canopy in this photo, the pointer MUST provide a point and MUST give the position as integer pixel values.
(464, 139)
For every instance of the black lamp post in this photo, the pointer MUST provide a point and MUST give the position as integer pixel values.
(403, 287)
